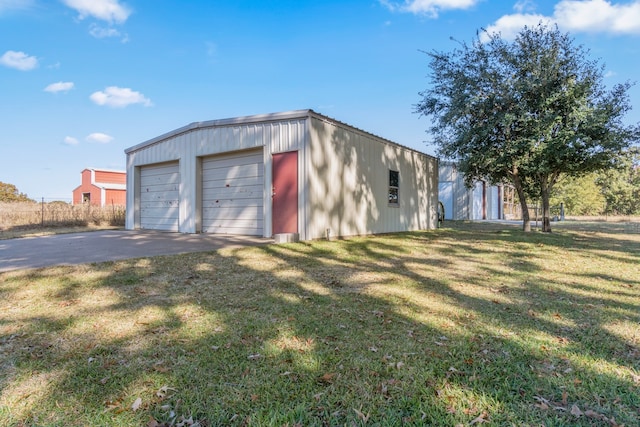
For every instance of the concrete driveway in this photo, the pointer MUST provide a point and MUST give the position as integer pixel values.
(109, 245)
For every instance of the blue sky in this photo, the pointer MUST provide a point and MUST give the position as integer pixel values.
(81, 80)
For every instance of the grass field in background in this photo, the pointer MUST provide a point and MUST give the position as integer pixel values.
(24, 219)
(469, 324)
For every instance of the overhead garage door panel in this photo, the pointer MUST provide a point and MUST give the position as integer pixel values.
(159, 197)
(235, 192)
(223, 170)
(232, 193)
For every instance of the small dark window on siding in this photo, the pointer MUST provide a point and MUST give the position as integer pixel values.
(394, 183)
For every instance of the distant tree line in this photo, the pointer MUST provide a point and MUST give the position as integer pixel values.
(614, 191)
(9, 193)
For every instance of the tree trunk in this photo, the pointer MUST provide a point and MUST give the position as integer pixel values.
(526, 221)
(546, 210)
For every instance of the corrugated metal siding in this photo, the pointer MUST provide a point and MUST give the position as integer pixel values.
(468, 202)
(348, 183)
(461, 206)
(477, 201)
(493, 202)
(193, 144)
(445, 195)
(343, 173)
(85, 187)
(95, 195)
(284, 136)
(110, 177)
(115, 198)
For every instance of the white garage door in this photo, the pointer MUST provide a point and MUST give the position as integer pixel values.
(232, 193)
(159, 197)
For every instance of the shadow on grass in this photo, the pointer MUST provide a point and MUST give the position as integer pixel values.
(442, 327)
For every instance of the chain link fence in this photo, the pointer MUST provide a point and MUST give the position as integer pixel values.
(58, 213)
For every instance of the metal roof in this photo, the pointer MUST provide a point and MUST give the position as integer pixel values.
(109, 186)
(259, 118)
(104, 170)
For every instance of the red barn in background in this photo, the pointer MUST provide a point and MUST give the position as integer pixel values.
(101, 187)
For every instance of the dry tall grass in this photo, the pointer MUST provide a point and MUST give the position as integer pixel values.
(57, 214)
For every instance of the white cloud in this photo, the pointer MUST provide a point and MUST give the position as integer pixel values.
(106, 10)
(6, 5)
(118, 97)
(69, 140)
(594, 16)
(427, 7)
(524, 6)
(510, 25)
(18, 60)
(101, 138)
(103, 32)
(598, 16)
(59, 87)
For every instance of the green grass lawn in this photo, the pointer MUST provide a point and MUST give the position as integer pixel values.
(465, 325)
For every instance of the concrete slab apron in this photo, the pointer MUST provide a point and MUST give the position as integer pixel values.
(110, 245)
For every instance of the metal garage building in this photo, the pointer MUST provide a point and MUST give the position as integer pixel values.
(292, 172)
(482, 201)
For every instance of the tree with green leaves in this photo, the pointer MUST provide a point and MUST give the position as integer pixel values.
(10, 193)
(580, 195)
(621, 186)
(525, 112)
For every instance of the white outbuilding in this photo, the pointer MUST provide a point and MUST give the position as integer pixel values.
(296, 172)
(481, 201)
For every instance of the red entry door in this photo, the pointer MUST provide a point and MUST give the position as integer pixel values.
(285, 193)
